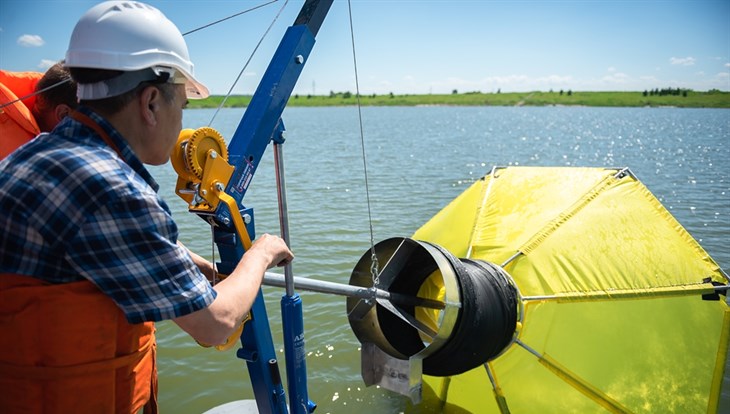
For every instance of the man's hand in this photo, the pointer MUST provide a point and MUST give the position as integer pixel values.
(273, 249)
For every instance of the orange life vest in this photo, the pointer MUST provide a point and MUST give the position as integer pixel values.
(68, 348)
(17, 124)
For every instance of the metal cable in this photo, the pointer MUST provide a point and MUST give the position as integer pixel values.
(374, 264)
(247, 62)
(229, 17)
(212, 224)
(59, 83)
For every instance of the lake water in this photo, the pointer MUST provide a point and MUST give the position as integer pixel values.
(418, 159)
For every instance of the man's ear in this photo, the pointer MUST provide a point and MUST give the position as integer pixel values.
(60, 112)
(149, 104)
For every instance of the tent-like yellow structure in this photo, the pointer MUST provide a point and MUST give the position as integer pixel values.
(620, 310)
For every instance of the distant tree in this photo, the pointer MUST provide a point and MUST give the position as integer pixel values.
(332, 94)
(570, 92)
(296, 96)
(646, 93)
(309, 96)
(347, 95)
(499, 90)
(391, 95)
(561, 92)
(454, 92)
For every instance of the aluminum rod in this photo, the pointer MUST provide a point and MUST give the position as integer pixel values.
(283, 211)
(322, 286)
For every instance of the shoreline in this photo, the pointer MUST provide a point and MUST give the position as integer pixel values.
(680, 99)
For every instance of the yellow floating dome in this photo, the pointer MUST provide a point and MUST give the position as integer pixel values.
(618, 307)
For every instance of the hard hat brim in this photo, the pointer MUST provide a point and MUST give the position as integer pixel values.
(193, 88)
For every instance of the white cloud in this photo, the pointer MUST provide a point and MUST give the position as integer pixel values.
(27, 40)
(687, 61)
(617, 77)
(46, 63)
(648, 78)
(727, 65)
(611, 69)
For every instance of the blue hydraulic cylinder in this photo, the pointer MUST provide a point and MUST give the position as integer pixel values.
(258, 351)
(296, 364)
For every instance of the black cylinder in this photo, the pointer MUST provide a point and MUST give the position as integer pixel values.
(483, 321)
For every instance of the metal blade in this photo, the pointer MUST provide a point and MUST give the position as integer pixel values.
(408, 318)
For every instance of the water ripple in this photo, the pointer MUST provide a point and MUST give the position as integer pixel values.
(418, 160)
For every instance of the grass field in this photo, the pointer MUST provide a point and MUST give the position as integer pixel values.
(686, 99)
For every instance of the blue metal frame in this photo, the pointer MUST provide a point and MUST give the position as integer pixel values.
(261, 123)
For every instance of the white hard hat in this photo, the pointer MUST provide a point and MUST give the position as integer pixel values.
(130, 36)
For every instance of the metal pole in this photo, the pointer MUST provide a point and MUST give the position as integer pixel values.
(283, 210)
(321, 286)
(291, 303)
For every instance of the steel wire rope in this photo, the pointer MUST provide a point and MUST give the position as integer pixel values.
(225, 98)
(374, 265)
(32, 94)
(229, 17)
(248, 61)
(59, 83)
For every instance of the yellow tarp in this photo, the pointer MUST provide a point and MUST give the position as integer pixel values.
(611, 284)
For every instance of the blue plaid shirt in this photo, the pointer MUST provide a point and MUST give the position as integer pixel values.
(72, 209)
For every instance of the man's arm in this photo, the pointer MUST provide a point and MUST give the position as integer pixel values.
(204, 265)
(236, 293)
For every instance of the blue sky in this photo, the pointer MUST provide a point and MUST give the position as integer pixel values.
(426, 46)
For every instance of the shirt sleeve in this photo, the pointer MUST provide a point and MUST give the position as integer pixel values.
(128, 248)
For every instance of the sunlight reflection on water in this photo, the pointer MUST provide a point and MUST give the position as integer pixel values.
(418, 160)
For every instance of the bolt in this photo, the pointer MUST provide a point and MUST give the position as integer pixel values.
(213, 154)
(219, 186)
(247, 218)
(299, 59)
(203, 192)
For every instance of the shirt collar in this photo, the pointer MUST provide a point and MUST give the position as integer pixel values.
(127, 154)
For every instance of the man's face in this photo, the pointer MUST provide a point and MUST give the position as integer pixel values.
(169, 125)
(47, 116)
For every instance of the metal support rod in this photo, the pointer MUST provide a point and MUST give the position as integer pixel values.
(322, 286)
(283, 210)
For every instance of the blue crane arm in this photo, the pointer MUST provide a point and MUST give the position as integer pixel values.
(260, 125)
(261, 121)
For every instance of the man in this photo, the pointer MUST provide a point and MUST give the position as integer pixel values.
(56, 97)
(50, 97)
(89, 254)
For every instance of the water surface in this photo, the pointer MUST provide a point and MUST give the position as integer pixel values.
(418, 159)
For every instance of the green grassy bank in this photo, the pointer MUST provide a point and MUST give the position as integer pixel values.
(683, 99)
